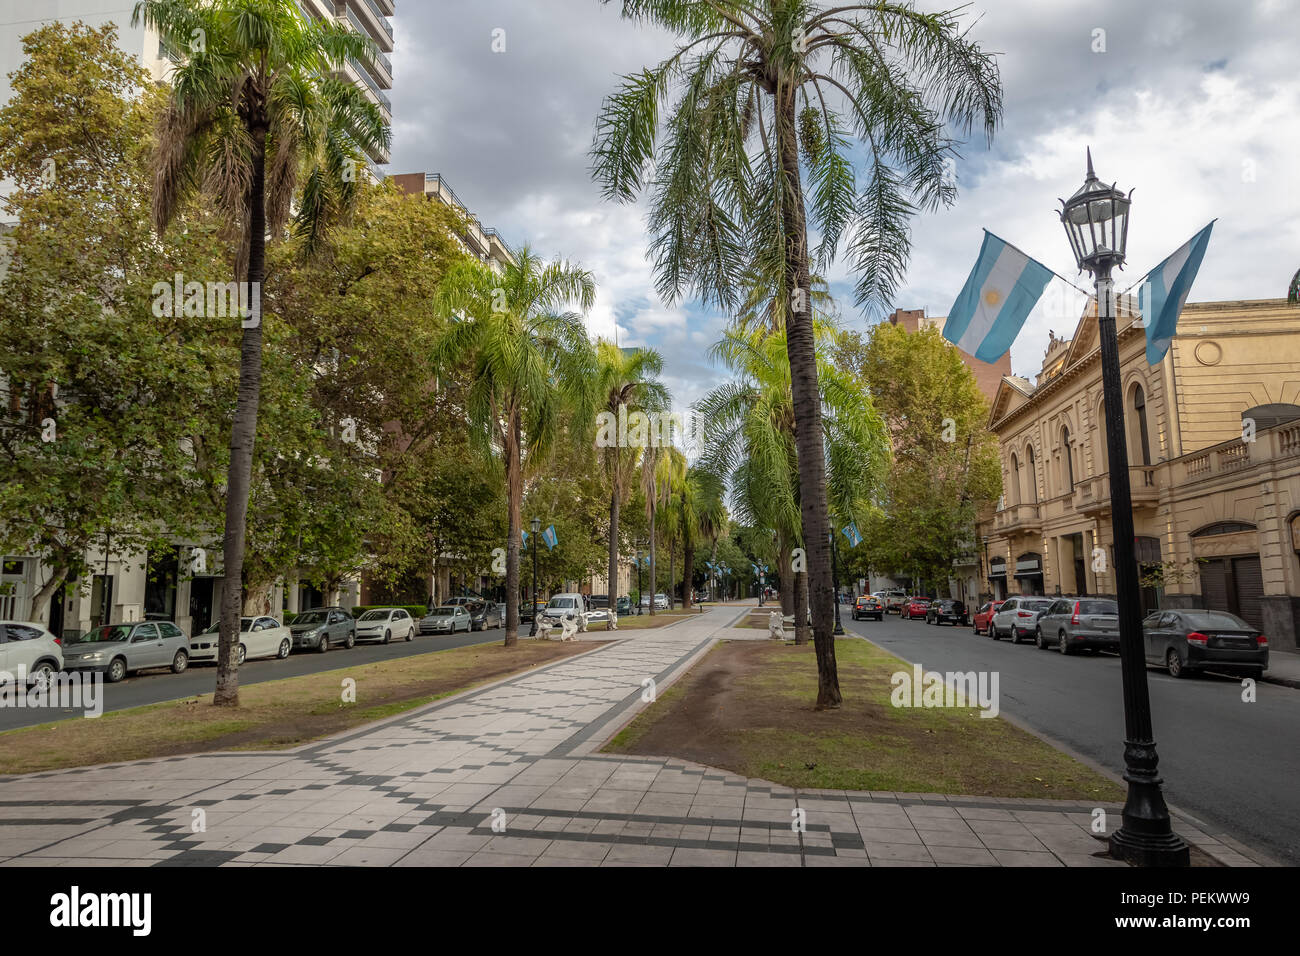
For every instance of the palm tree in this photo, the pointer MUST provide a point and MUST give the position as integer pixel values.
(698, 513)
(256, 84)
(752, 86)
(659, 464)
(625, 379)
(750, 440)
(531, 366)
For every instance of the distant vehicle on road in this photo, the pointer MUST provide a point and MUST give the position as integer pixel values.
(483, 615)
(868, 606)
(1193, 640)
(120, 649)
(322, 628)
(661, 601)
(1075, 623)
(258, 637)
(893, 599)
(946, 611)
(983, 614)
(623, 605)
(598, 601)
(1017, 618)
(913, 608)
(29, 648)
(561, 606)
(447, 619)
(385, 623)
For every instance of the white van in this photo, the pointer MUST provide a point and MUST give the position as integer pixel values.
(561, 606)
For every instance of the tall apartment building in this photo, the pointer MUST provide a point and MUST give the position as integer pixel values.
(484, 244)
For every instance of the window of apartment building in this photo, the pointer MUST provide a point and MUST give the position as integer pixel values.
(1140, 423)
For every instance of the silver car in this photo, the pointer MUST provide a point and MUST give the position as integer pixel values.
(1073, 623)
(322, 628)
(120, 649)
(385, 623)
(446, 620)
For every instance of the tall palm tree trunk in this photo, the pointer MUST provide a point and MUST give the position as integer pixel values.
(514, 511)
(800, 349)
(672, 573)
(613, 549)
(653, 566)
(802, 633)
(688, 567)
(239, 475)
(787, 576)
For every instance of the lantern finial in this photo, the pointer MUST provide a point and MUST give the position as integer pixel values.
(1091, 174)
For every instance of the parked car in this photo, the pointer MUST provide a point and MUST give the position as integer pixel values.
(322, 628)
(623, 605)
(598, 601)
(913, 608)
(561, 606)
(1018, 618)
(868, 605)
(483, 615)
(528, 608)
(945, 611)
(258, 637)
(1196, 639)
(661, 601)
(1074, 623)
(385, 623)
(447, 619)
(29, 649)
(121, 649)
(893, 599)
(979, 621)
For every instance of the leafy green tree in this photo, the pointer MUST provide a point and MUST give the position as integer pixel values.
(258, 83)
(98, 391)
(531, 367)
(945, 465)
(758, 94)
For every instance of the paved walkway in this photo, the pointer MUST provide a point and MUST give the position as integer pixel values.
(507, 776)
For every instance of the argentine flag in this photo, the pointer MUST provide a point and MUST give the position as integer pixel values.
(550, 538)
(852, 533)
(1163, 293)
(998, 296)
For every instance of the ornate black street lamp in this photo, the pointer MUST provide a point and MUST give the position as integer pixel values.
(537, 526)
(1096, 222)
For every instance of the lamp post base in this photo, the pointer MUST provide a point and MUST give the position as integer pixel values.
(1146, 837)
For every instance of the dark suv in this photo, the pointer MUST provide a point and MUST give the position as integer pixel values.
(946, 611)
(322, 628)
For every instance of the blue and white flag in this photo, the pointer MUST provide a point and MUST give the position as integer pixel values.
(1163, 293)
(525, 534)
(999, 294)
(852, 533)
(550, 537)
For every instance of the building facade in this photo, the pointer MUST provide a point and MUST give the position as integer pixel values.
(1213, 435)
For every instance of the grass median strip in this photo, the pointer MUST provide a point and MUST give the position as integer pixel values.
(747, 708)
(273, 715)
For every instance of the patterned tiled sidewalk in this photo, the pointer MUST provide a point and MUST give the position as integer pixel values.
(428, 788)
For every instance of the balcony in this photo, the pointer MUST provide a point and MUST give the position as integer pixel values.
(1018, 519)
(1272, 447)
(1092, 495)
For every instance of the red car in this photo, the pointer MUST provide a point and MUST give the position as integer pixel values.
(913, 608)
(983, 614)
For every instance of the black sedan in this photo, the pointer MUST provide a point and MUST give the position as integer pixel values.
(946, 611)
(1192, 640)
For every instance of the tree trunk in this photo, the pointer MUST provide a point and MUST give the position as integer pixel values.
(672, 573)
(239, 475)
(653, 568)
(41, 599)
(257, 600)
(688, 567)
(801, 352)
(613, 549)
(514, 511)
(787, 575)
(802, 633)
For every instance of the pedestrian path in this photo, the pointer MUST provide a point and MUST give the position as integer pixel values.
(509, 775)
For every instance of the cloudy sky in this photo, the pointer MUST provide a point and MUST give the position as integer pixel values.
(1193, 102)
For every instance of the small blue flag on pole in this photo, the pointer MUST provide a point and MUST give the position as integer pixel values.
(525, 534)
(999, 294)
(1163, 293)
(550, 537)
(851, 532)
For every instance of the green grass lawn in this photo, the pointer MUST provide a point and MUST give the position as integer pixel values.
(747, 707)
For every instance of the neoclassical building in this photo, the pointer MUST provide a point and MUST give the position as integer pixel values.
(1214, 455)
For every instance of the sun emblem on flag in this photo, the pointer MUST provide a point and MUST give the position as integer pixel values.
(992, 297)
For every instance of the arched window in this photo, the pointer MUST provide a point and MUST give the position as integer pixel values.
(1140, 417)
(1067, 460)
(1031, 475)
(1014, 497)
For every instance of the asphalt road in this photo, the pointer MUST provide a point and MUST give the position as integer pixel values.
(1224, 761)
(157, 686)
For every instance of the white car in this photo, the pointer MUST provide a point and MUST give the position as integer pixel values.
(258, 637)
(385, 623)
(29, 652)
(446, 620)
(561, 606)
(661, 601)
